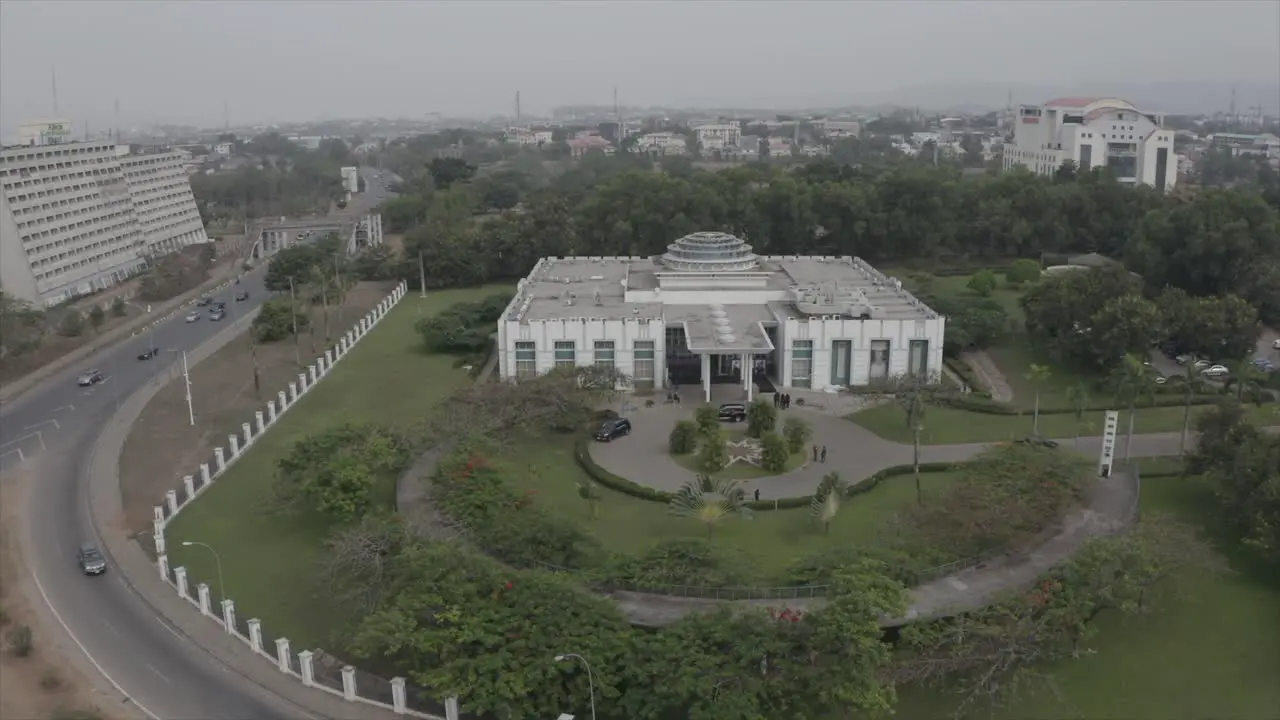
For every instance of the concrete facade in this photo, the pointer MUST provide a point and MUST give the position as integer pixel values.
(710, 311)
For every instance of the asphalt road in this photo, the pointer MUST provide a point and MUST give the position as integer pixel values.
(49, 432)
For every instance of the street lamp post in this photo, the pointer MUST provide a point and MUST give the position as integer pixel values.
(222, 586)
(591, 682)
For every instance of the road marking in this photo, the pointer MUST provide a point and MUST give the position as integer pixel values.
(172, 631)
(52, 422)
(158, 673)
(68, 408)
(112, 629)
(57, 616)
(38, 435)
(21, 458)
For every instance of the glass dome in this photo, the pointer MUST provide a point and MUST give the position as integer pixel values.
(710, 252)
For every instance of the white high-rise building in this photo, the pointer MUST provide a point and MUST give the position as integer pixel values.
(1094, 132)
(77, 217)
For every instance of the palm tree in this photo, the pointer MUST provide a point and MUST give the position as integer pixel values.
(1132, 382)
(320, 281)
(1037, 375)
(914, 403)
(710, 501)
(1244, 376)
(826, 500)
(589, 491)
(1078, 396)
(1191, 382)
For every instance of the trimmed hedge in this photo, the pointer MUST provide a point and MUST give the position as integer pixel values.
(582, 454)
(987, 406)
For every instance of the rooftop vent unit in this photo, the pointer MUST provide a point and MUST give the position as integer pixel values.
(596, 294)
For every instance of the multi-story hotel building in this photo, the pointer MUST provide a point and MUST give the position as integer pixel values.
(76, 217)
(1094, 132)
(710, 311)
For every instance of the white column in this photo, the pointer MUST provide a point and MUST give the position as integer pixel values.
(282, 654)
(162, 564)
(202, 592)
(302, 382)
(229, 614)
(189, 484)
(271, 412)
(248, 434)
(282, 401)
(158, 539)
(204, 474)
(397, 695)
(219, 459)
(157, 515)
(311, 372)
(328, 358)
(746, 374)
(306, 669)
(255, 634)
(180, 577)
(171, 497)
(706, 377)
(260, 422)
(234, 442)
(348, 683)
(293, 392)
(451, 708)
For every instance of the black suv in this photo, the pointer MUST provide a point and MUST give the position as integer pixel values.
(91, 560)
(242, 296)
(733, 412)
(615, 428)
(149, 353)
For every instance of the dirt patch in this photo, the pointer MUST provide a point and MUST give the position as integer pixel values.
(162, 446)
(45, 683)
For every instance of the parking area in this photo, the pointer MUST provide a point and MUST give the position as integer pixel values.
(1267, 356)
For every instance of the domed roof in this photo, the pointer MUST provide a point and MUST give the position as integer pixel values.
(710, 252)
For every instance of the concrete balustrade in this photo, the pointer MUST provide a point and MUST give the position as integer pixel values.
(248, 434)
(162, 564)
(255, 634)
(229, 615)
(293, 393)
(219, 460)
(397, 695)
(171, 499)
(302, 383)
(202, 593)
(205, 479)
(158, 539)
(157, 515)
(311, 372)
(189, 484)
(306, 669)
(259, 422)
(180, 577)
(282, 654)
(328, 357)
(348, 683)
(234, 442)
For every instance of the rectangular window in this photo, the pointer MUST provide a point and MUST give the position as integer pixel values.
(566, 354)
(1162, 166)
(603, 356)
(526, 360)
(642, 369)
(802, 364)
(918, 359)
(879, 360)
(1086, 157)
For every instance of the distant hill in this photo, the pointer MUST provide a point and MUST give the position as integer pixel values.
(1171, 97)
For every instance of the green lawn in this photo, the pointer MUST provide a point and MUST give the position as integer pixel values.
(740, 470)
(1014, 359)
(1210, 651)
(269, 561)
(769, 540)
(945, 426)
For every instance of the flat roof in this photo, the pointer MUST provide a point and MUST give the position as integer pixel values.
(597, 288)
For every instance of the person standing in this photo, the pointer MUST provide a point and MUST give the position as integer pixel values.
(757, 495)
(823, 454)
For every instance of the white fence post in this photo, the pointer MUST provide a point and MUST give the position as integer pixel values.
(202, 592)
(302, 382)
(219, 459)
(229, 615)
(293, 393)
(234, 442)
(158, 539)
(158, 514)
(189, 484)
(180, 576)
(397, 695)
(162, 563)
(306, 669)
(282, 401)
(282, 654)
(204, 474)
(348, 683)
(261, 421)
(255, 634)
(171, 497)
(248, 434)
(328, 358)
(451, 708)
(311, 372)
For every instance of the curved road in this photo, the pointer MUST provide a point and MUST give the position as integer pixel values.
(55, 427)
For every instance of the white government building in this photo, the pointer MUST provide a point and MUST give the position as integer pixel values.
(80, 216)
(1094, 132)
(708, 308)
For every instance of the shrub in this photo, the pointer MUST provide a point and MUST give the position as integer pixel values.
(707, 418)
(774, 455)
(1022, 271)
(762, 417)
(337, 471)
(20, 641)
(983, 283)
(50, 680)
(72, 323)
(682, 561)
(118, 307)
(712, 453)
(275, 321)
(463, 327)
(97, 316)
(683, 438)
(797, 432)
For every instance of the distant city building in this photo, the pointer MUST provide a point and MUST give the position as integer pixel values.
(351, 179)
(224, 149)
(839, 128)
(718, 136)
(526, 137)
(662, 143)
(585, 143)
(1264, 145)
(45, 132)
(710, 311)
(79, 217)
(1092, 133)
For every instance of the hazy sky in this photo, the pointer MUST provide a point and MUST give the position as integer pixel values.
(177, 61)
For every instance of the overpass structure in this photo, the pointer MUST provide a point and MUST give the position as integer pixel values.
(268, 237)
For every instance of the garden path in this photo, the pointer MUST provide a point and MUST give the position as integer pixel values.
(989, 373)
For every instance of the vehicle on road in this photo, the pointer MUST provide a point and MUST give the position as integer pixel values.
(733, 412)
(148, 353)
(1215, 371)
(217, 315)
(1275, 344)
(89, 377)
(193, 317)
(91, 560)
(242, 296)
(612, 429)
(203, 301)
(1037, 441)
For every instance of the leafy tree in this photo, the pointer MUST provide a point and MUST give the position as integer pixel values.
(118, 307)
(97, 316)
(1021, 272)
(336, 471)
(22, 327)
(707, 419)
(276, 320)
(713, 455)
(1240, 463)
(827, 499)
(710, 501)
(798, 433)
(683, 438)
(588, 490)
(773, 452)
(762, 417)
(445, 172)
(983, 283)
(914, 402)
(463, 327)
(72, 323)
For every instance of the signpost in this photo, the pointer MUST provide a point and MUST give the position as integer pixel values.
(1110, 426)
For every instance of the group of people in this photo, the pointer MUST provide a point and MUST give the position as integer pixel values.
(782, 400)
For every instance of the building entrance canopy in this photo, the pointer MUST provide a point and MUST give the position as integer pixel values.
(730, 329)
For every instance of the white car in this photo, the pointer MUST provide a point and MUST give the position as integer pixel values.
(1201, 365)
(1215, 371)
(193, 317)
(1275, 344)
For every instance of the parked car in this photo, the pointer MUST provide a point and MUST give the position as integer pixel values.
(1215, 371)
(733, 412)
(1202, 364)
(242, 296)
(91, 560)
(217, 315)
(613, 429)
(1037, 441)
(1275, 344)
(148, 353)
(89, 377)
(1182, 359)
(193, 317)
